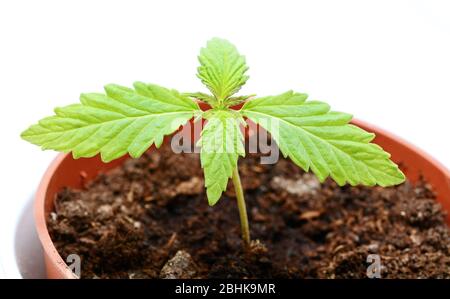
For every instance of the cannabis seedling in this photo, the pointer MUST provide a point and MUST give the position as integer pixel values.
(125, 120)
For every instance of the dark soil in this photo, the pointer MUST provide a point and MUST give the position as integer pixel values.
(150, 219)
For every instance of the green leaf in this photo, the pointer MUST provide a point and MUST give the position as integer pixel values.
(222, 69)
(321, 140)
(221, 145)
(232, 101)
(202, 97)
(123, 121)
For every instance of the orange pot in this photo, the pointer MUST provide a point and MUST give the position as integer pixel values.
(65, 171)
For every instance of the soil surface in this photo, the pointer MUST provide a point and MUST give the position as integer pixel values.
(150, 219)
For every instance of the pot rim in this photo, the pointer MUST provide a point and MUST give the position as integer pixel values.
(51, 252)
(40, 219)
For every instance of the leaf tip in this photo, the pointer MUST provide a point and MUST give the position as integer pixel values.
(76, 156)
(24, 134)
(213, 196)
(400, 177)
(105, 158)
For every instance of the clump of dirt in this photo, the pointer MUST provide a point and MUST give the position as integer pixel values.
(149, 218)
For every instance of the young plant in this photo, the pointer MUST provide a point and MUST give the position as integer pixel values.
(129, 120)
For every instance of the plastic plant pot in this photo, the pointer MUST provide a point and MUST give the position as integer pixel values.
(64, 171)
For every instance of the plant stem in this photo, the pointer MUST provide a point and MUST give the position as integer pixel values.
(241, 206)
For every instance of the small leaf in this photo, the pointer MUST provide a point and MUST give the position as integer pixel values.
(122, 121)
(221, 145)
(233, 101)
(321, 140)
(203, 97)
(222, 69)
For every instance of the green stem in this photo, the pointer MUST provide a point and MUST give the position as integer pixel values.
(241, 206)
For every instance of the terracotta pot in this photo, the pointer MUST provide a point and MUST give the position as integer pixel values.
(65, 171)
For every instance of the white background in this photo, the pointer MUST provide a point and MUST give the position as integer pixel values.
(387, 62)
